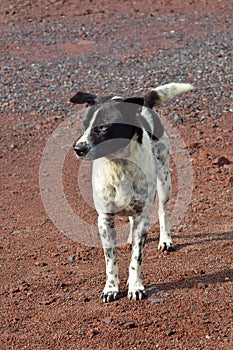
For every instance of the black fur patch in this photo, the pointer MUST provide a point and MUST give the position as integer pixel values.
(151, 99)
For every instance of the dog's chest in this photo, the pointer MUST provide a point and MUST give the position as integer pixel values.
(123, 186)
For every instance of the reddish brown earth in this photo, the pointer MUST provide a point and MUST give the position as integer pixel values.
(50, 284)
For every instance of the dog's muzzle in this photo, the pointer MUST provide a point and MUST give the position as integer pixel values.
(81, 149)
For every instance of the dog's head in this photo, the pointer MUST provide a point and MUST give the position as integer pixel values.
(109, 124)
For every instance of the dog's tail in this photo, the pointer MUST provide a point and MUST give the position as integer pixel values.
(164, 92)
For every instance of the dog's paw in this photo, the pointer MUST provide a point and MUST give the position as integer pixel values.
(107, 297)
(166, 246)
(137, 294)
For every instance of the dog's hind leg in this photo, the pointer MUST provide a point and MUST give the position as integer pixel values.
(136, 290)
(130, 238)
(108, 237)
(164, 190)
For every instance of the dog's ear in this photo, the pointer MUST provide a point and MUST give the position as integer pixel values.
(152, 99)
(83, 97)
(136, 100)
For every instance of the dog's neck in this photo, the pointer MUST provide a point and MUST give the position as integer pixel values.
(125, 152)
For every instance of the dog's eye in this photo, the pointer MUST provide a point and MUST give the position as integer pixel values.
(103, 127)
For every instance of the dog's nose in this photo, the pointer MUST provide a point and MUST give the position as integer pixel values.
(81, 149)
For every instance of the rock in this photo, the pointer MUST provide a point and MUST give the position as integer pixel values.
(221, 161)
(92, 332)
(16, 232)
(86, 299)
(129, 325)
(107, 320)
(40, 263)
(198, 271)
(177, 118)
(208, 336)
(171, 333)
(70, 258)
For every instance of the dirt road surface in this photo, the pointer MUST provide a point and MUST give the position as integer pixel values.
(51, 280)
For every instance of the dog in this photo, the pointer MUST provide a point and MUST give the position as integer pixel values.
(130, 150)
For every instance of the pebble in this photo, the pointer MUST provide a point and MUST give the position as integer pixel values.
(198, 271)
(86, 299)
(171, 333)
(178, 119)
(40, 263)
(116, 70)
(129, 325)
(70, 258)
(15, 233)
(107, 320)
(92, 332)
(221, 161)
(13, 146)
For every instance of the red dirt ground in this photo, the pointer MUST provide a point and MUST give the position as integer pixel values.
(50, 284)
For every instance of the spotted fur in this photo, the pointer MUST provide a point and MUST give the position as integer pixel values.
(130, 150)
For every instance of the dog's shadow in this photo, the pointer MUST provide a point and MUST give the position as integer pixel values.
(223, 276)
(158, 292)
(209, 237)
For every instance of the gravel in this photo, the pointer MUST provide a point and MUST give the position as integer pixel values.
(50, 285)
(44, 79)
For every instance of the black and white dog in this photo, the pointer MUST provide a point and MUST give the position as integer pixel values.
(130, 149)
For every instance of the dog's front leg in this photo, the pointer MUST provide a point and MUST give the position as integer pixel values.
(136, 290)
(108, 237)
